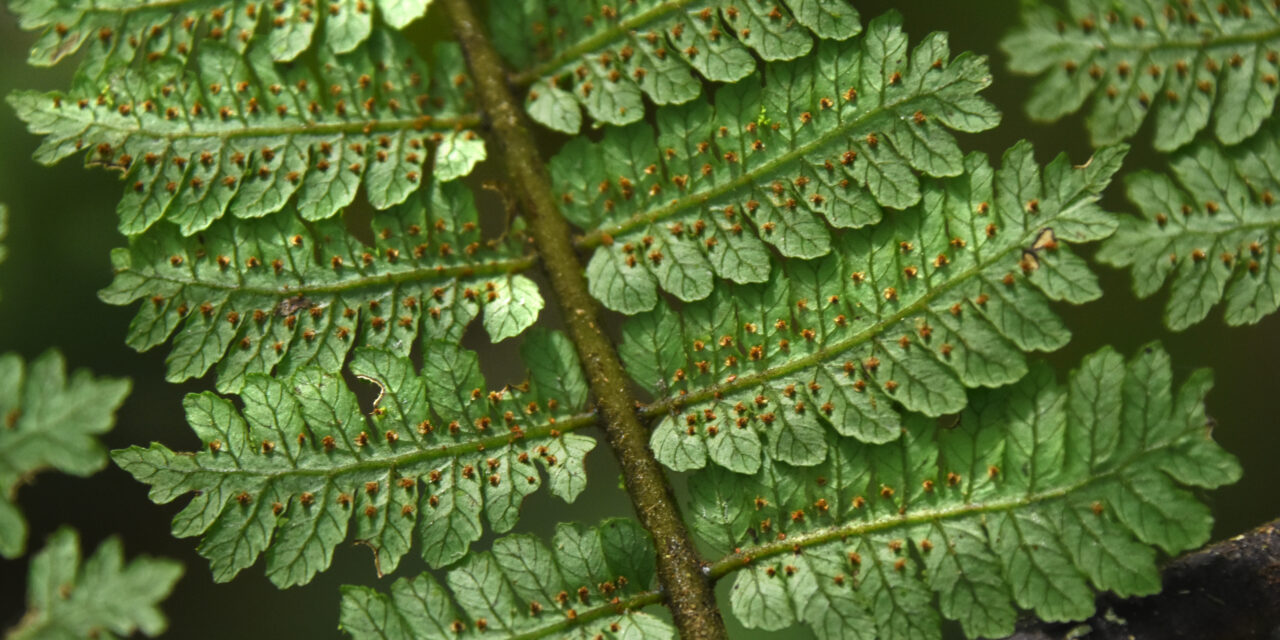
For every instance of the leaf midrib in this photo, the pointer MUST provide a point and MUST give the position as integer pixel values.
(444, 123)
(742, 558)
(634, 602)
(566, 425)
(135, 8)
(420, 274)
(1212, 41)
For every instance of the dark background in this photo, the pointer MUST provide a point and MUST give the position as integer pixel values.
(63, 225)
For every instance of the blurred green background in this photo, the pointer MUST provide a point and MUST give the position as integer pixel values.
(63, 225)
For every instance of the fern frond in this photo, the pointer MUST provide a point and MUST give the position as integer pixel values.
(48, 421)
(944, 296)
(101, 598)
(1211, 227)
(118, 33)
(273, 293)
(769, 165)
(236, 132)
(1182, 62)
(1036, 492)
(302, 464)
(586, 585)
(611, 55)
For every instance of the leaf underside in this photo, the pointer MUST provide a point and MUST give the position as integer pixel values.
(302, 466)
(867, 436)
(825, 142)
(1211, 229)
(1181, 63)
(118, 33)
(48, 421)
(944, 296)
(103, 597)
(607, 57)
(276, 293)
(522, 588)
(230, 132)
(1037, 494)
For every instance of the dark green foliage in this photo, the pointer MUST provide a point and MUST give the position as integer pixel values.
(524, 589)
(48, 421)
(1185, 63)
(605, 56)
(827, 142)
(236, 132)
(1212, 228)
(1031, 497)
(115, 33)
(103, 597)
(275, 293)
(304, 463)
(944, 296)
(841, 361)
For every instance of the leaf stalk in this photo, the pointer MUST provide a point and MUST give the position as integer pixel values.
(688, 591)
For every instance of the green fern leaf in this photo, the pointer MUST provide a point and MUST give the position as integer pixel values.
(235, 132)
(122, 32)
(941, 297)
(102, 598)
(48, 421)
(769, 165)
(302, 465)
(271, 293)
(1211, 228)
(1035, 493)
(522, 589)
(1183, 63)
(611, 56)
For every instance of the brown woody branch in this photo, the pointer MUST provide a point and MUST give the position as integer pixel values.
(688, 591)
(1227, 591)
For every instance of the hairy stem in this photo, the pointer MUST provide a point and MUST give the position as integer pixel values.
(688, 591)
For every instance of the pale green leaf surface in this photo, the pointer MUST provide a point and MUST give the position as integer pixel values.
(233, 134)
(1037, 494)
(1182, 64)
(1210, 228)
(302, 466)
(944, 296)
(607, 56)
(48, 420)
(271, 293)
(117, 33)
(825, 143)
(457, 154)
(553, 367)
(554, 107)
(523, 588)
(103, 597)
(514, 308)
(399, 13)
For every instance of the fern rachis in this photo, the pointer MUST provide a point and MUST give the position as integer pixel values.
(833, 303)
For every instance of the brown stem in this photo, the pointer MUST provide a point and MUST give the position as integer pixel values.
(1226, 591)
(687, 589)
